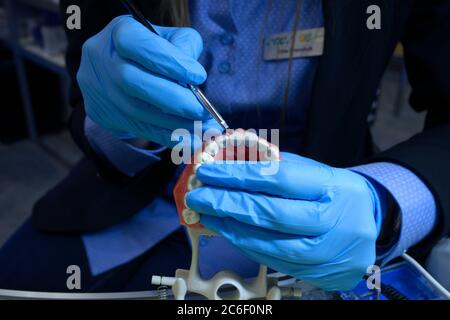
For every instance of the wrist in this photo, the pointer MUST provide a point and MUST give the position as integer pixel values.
(387, 215)
(389, 233)
(379, 201)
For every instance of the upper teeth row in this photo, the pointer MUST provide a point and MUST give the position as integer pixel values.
(236, 139)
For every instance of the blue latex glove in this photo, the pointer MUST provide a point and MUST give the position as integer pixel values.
(309, 220)
(130, 79)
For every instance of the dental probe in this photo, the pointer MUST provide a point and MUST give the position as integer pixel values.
(139, 16)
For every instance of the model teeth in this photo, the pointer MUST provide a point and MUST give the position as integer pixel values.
(196, 166)
(235, 139)
(193, 182)
(250, 139)
(221, 141)
(263, 145)
(212, 148)
(268, 151)
(190, 216)
(273, 154)
(207, 158)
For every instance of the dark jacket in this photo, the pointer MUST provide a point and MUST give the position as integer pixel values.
(346, 82)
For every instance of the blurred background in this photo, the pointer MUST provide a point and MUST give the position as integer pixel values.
(36, 151)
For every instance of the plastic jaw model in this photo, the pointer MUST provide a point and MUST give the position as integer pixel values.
(239, 145)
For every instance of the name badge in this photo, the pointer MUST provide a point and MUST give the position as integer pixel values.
(307, 43)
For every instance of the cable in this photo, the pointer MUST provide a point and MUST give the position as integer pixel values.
(15, 294)
(428, 276)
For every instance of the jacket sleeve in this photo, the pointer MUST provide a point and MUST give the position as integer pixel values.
(426, 42)
(95, 15)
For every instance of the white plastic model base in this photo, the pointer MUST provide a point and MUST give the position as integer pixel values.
(224, 284)
(215, 288)
(239, 145)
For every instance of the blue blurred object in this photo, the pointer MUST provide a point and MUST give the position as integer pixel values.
(402, 279)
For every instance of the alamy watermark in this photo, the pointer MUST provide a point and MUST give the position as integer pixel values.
(373, 280)
(73, 21)
(73, 281)
(373, 22)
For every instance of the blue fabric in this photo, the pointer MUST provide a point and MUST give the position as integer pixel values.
(416, 202)
(121, 243)
(49, 254)
(241, 84)
(123, 156)
(248, 91)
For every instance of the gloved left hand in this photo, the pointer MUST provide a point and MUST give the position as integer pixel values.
(308, 220)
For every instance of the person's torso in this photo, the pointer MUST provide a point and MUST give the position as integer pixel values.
(249, 91)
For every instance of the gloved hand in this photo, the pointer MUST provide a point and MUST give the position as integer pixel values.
(309, 220)
(130, 79)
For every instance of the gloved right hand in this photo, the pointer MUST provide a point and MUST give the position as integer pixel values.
(130, 80)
